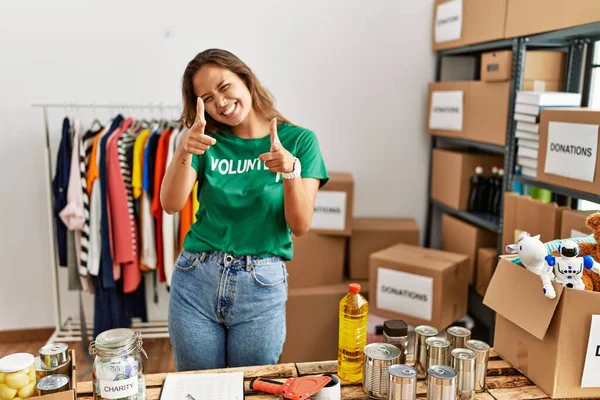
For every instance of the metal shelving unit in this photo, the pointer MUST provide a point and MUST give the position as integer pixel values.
(576, 40)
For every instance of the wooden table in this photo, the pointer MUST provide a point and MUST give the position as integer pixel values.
(503, 381)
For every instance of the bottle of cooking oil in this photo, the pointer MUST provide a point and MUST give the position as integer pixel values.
(352, 338)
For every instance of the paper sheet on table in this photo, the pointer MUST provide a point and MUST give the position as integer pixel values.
(224, 386)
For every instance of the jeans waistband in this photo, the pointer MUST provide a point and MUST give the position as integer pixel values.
(246, 262)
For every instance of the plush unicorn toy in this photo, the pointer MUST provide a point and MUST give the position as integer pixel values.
(532, 253)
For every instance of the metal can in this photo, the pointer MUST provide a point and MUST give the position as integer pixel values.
(482, 353)
(378, 357)
(55, 359)
(441, 382)
(463, 361)
(403, 382)
(438, 351)
(422, 332)
(53, 384)
(396, 332)
(40, 372)
(458, 336)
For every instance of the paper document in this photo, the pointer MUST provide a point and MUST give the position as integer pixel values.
(224, 386)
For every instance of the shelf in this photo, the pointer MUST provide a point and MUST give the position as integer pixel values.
(476, 48)
(486, 221)
(565, 36)
(481, 313)
(471, 143)
(558, 189)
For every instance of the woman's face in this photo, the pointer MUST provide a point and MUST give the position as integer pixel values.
(226, 97)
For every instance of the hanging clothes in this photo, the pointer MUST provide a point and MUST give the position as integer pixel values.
(59, 190)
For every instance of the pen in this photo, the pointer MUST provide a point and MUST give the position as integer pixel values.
(190, 397)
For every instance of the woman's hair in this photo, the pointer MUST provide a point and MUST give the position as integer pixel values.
(262, 100)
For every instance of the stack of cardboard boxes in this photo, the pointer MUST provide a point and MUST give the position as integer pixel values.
(399, 278)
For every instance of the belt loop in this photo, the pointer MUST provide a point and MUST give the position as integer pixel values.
(249, 265)
(202, 256)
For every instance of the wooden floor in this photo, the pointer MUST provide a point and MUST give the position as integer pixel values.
(158, 350)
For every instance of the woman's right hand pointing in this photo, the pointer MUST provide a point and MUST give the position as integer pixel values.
(195, 141)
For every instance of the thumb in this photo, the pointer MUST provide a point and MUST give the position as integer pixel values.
(275, 143)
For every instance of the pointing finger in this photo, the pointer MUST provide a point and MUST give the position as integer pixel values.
(275, 143)
(200, 112)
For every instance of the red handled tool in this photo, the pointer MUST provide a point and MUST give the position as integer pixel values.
(294, 388)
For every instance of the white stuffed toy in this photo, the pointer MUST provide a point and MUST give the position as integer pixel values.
(532, 253)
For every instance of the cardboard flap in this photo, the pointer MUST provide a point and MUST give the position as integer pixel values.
(516, 294)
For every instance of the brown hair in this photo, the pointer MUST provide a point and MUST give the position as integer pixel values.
(262, 100)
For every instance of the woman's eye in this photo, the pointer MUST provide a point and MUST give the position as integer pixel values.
(206, 100)
(225, 87)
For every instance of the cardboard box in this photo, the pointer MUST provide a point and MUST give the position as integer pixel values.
(475, 22)
(527, 17)
(487, 258)
(573, 224)
(318, 260)
(418, 285)
(373, 234)
(496, 66)
(334, 206)
(469, 110)
(522, 213)
(451, 175)
(547, 340)
(70, 394)
(568, 151)
(538, 85)
(463, 238)
(312, 322)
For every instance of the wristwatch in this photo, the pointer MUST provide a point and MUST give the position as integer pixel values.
(295, 172)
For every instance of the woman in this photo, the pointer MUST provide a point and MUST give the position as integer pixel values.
(258, 176)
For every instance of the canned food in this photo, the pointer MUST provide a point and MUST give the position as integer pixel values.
(54, 355)
(422, 332)
(403, 382)
(40, 372)
(482, 352)
(378, 357)
(463, 361)
(53, 384)
(55, 359)
(441, 382)
(458, 336)
(438, 351)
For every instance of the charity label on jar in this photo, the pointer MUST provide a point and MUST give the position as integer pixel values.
(118, 378)
(119, 389)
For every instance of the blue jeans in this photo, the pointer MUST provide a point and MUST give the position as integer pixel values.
(226, 310)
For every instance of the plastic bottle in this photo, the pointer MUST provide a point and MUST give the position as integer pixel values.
(492, 190)
(475, 190)
(352, 339)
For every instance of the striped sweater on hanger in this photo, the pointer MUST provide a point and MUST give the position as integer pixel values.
(85, 152)
(125, 142)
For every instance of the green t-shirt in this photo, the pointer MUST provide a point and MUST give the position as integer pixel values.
(241, 204)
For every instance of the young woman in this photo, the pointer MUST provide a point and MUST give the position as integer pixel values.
(258, 177)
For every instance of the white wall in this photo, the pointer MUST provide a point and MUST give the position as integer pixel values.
(353, 71)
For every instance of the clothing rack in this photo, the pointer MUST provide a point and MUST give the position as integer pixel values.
(70, 329)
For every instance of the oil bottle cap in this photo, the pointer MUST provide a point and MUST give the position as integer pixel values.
(354, 288)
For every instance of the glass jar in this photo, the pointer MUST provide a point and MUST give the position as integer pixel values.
(17, 376)
(118, 371)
